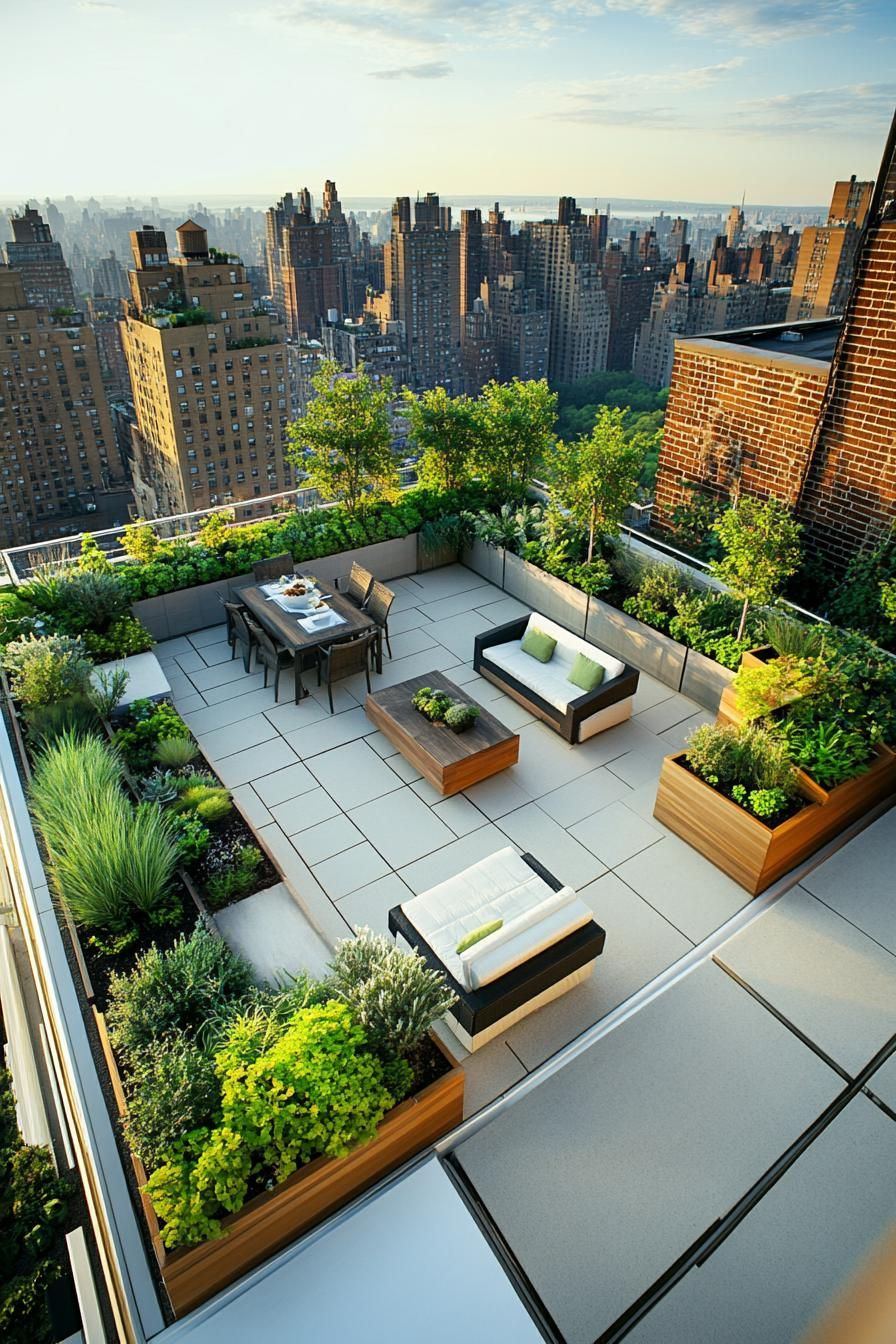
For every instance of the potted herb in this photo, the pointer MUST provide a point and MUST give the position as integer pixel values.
(438, 707)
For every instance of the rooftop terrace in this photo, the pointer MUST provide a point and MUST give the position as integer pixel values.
(813, 339)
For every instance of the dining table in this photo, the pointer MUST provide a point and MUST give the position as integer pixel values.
(295, 630)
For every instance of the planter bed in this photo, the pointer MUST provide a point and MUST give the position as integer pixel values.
(753, 854)
(274, 1218)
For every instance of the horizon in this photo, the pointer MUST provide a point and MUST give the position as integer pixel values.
(696, 101)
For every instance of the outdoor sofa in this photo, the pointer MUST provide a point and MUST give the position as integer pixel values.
(543, 687)
(548, 942)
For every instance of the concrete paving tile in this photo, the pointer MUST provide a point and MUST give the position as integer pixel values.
(615, 833)
(428, 792)
(288, 716)
(304, 886)
(401, 669)
(513, 715)
(354, 774)
(190, 661)
(170, 648)
(488, 1074)
(229, 690)
(547, 762)
(677, 738)
(460, 814)
(481, 690)
(353, 868)
(188, 703)
(343, 698)
(410, 641)
(211, 718)
(218, 652)
(649, 692)
(204, 678)
(273, 934)
(505, 609)
(453, 859)
(333, 731)
(401, 827)
(289, 783)
(883, 1083)
(308, 809)
(640, 945)
(636, 1146)
(643, 800)
(381, 745)
(458, 603)
(251, 806)
(667, 713)
(833, 982)
(212, 634)
(403, 769)
(535, 832)
(584, 796)
(462, 673)
(327, 838)
(615, 742)
(369, 906)
(179, 684)
(436, 584)
(457, 633)
(857, 881)
(640, 766)
(792, 1254)
(227, 741)
(256, 762)
(687, 889)
(408, 619)
(498, 795)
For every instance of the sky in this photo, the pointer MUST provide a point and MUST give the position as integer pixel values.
(697, 100)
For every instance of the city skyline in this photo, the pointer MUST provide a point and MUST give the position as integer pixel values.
(632, 98)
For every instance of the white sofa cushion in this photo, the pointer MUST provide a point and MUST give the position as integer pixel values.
(500, 886)
(550, 680)
(568, 645)
(522, 938)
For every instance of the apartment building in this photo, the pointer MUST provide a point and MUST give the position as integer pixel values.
(422, 275)
(827, 255)
(210, 380)
(46, 278)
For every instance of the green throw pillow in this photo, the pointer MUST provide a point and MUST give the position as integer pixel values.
(538, 645)
(586, 673)
(477, 935)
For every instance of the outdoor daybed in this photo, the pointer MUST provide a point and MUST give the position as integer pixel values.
(544, 687)
(548, 941)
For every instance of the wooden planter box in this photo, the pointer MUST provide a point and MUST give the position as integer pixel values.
(753, 854)
(277, 1217)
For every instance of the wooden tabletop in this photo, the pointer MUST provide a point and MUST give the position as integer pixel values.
(284, 625)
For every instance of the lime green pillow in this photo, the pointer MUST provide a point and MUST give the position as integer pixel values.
(586, 673)
(478, 934)
(538, 644)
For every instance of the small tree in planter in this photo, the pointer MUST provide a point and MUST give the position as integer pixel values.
(514, 432)
(761, 542)
(595, 477)
(349, 431)
(444, 429)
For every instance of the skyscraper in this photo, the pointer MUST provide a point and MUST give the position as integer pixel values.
(557, 258)
(309, 262)
(209, 376)
(422, 275)
(522, 328)
(57, 448)
(46, 278)
(827, 255)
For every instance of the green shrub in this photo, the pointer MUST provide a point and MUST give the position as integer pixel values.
(787, 635)
(91, 599)
(151, 721)
(742, 762)
(191, 835)
(174, 991)
(195, 795)
(827, 752)
(433, 705)
(46, 723)
(124, 637)
(46, 668)
(393, 994)
(175, 752)
(857, 686)
(461, 717)
(215, 807)
(237, 881)
(761, 690)
(857, 601)
(106, 689)
(658, 588)
(172, 1089)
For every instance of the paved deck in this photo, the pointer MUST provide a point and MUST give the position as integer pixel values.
(356, 830)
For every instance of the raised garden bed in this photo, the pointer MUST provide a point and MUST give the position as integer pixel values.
(276, 1217)
(753, 854)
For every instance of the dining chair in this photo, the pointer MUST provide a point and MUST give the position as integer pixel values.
(358, 585)
(273, 656)
(344, 659)
(238, 631)
(378, 604)
(266, 570)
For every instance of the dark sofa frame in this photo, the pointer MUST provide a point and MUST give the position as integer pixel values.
(477, 1009)
(566, 723)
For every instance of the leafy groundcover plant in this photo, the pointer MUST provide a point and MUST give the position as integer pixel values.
(750, 766)
(231, 1088)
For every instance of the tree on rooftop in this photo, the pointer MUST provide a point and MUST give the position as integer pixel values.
(761, 544)
(348, 429)
(444, 430)
(514, 432)
(594, 477)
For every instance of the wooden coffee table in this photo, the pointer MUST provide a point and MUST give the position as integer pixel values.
(450, 761)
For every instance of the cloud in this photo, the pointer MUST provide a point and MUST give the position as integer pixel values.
(761, 22)
(847, 109)
(623, 99)
(425, 70)
(98, 7)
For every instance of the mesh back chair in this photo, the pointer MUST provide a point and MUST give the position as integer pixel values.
(357, 585)
(274, 657)
(378, 604)
(238, 631)
(266, 570)
(344, 660)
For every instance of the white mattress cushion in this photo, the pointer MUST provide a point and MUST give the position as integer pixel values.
(568, 645)
(521, 938)
(500, 886)
(550, 680)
